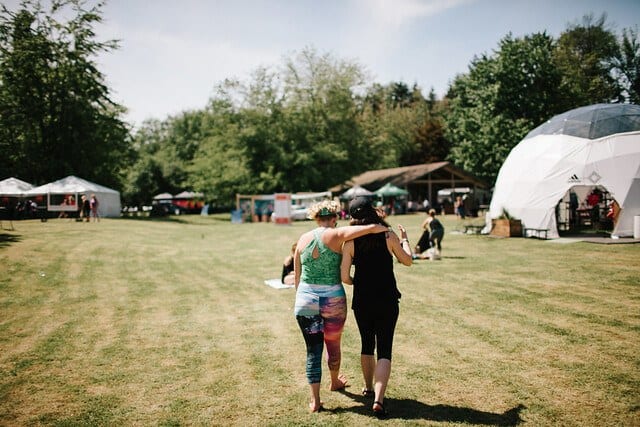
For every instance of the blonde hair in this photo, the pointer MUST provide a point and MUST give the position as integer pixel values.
(323, 208)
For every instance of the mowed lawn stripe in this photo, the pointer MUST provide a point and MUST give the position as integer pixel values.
(168, 322)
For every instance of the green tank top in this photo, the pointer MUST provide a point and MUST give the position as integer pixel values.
(324, 270)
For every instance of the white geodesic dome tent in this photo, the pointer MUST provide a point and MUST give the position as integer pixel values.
(597, 146)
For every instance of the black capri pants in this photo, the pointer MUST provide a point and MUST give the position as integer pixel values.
(376, 328)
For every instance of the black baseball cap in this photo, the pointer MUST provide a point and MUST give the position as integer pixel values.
(361, 207)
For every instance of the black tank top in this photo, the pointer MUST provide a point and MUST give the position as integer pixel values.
(374, 284)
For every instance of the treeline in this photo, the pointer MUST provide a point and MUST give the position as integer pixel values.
(56, 114)
(304, 125)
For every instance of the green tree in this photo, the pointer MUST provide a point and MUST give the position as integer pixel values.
(527, 79)
(56, 114)
(304, 128)
(627, 65)
(431, 142)
(501, 98)
(585, 56)
(220, 168)
(322, 118)
(400, 95)
(402, 127)
(164, 153)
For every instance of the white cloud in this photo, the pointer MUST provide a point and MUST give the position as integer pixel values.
(393, 14)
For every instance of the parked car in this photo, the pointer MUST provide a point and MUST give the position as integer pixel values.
(298, 213)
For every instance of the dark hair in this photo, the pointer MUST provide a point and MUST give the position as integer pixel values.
(363, 213)
(372, 218)
(370, 241)
(361, 209)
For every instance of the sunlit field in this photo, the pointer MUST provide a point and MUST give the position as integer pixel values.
(168, 322)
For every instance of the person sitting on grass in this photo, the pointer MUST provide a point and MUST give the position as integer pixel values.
(288, 275)
(430, 243)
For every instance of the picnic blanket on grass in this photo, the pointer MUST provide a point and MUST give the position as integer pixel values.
(277, 283)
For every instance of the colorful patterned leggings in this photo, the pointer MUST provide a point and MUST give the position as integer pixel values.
(321, 311)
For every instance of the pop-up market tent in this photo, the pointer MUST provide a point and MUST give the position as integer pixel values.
(593, 147)
(354, 192)
(108, 199)
(12, 190)
(390, 190)
(163, 196)
(14, 187)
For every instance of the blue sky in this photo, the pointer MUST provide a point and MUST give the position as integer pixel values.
(174, 52)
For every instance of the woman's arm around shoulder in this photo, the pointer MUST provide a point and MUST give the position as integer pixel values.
(351, 232)
(347, 260)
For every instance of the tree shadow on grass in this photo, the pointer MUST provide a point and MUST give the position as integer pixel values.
(7, 239)
(410, 409)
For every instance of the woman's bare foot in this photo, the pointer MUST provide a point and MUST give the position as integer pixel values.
(315, 408)
(340, 384)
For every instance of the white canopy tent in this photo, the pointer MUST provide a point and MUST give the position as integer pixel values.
(163, 196)
(188, 195)
(14, 187)
(597, 146)
(108, 199)
(356, 191)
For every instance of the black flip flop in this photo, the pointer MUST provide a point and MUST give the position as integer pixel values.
(380, 413)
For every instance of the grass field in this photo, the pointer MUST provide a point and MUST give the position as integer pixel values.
(168, 323)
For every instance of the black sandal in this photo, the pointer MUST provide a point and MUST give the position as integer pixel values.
(380, 413)
(367, 392)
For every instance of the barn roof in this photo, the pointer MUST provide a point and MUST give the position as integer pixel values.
(405, 175)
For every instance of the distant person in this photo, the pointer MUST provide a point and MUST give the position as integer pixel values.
(93, 206)
(31, 208)
(321, 302)
(10, 213)
(85, 208)
(573, 208)
(63, 207)
(18, 210)
(375, 295)
(458, 207)
(613, 212)
(593, 199)
(71, 201)
(288, 275)
(431, 239)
